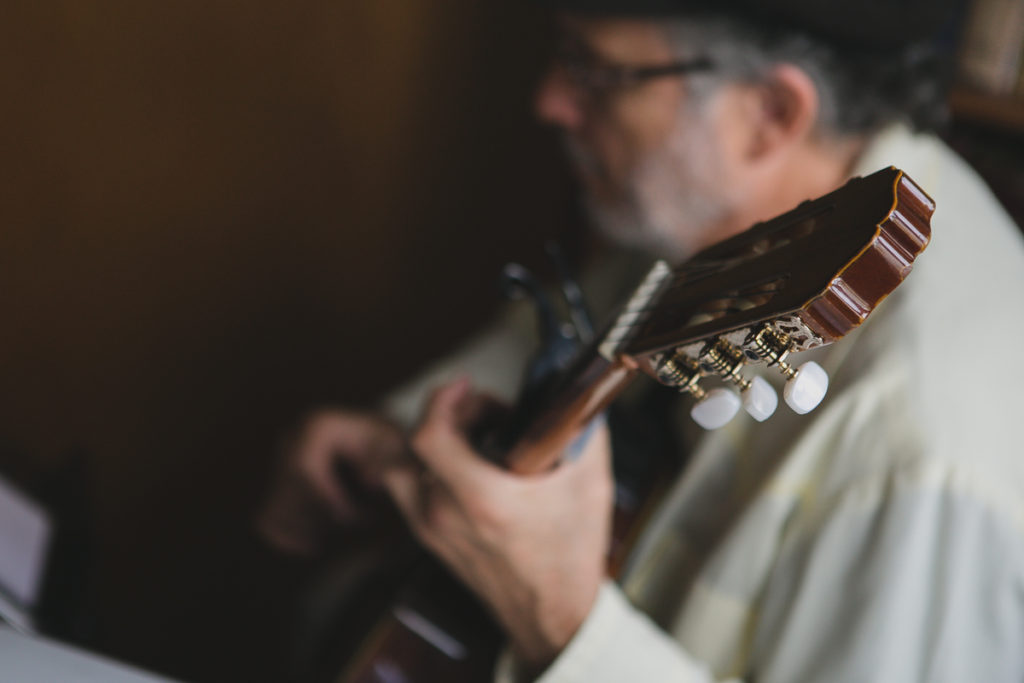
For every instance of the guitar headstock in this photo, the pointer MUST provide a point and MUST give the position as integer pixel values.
(796, 282)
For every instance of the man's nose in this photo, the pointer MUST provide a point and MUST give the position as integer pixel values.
(557, 101)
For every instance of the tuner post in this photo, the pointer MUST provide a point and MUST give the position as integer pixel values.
(726, 360)
(773, 347)
(683, 372)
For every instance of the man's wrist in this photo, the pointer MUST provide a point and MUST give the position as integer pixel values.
(553, 630)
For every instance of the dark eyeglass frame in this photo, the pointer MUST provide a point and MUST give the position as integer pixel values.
(589, 72)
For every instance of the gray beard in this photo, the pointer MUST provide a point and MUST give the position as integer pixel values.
(673, 199)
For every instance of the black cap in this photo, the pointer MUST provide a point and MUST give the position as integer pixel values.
(868, 24)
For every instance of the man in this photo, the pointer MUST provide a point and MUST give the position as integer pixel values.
(879, 538)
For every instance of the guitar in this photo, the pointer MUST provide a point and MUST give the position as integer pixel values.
(796, 282)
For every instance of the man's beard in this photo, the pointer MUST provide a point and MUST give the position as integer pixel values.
(673, 200)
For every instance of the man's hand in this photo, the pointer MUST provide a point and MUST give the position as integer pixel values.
(309, 494)
(532, 547)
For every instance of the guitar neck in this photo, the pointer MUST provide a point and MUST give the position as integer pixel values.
(584, 392)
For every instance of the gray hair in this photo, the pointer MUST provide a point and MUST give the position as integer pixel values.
(859, 91)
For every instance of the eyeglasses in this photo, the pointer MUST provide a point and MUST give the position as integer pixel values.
(589, 72)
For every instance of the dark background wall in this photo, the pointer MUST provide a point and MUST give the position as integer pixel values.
(215, 214)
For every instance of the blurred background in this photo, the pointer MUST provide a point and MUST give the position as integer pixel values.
(216, 215)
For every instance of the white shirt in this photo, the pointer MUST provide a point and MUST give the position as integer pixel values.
(881, 537)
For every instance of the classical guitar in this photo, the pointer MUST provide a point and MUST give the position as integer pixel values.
(793, 283)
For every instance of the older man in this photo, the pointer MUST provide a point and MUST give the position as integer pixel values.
(879, 538)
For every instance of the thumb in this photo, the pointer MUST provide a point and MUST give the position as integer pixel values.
(441, 442)
(441, 425)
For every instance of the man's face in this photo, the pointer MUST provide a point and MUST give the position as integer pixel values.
(649, 160)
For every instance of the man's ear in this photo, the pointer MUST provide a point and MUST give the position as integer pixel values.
(785, 112)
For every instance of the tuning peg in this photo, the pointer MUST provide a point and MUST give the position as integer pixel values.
(718, 406)
(806, 388)
(759, 399)
(713, 408)
(806, 385)
(757, 396)
(716, 409)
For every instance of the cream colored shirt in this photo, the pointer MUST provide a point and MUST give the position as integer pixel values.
(881, 537)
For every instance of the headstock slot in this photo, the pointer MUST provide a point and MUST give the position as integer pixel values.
(753, 290)
(737, 300)
(761, 240)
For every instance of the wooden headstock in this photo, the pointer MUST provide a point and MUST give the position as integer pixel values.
(796, 282)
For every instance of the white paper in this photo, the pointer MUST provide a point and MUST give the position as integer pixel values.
(25, 531)
(34, 660)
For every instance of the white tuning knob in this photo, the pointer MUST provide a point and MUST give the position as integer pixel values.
(716, 408)
(759, 399)
(805, 390)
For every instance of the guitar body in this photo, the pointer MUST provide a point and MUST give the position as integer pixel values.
(434, 631)
(802, 280)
